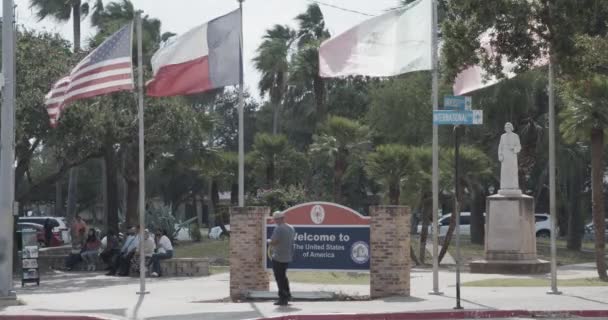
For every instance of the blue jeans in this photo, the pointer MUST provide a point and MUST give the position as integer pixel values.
(157, 257)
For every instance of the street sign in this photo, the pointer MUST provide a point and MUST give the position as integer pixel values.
(328, 237)
(449, 117)
(457, 103)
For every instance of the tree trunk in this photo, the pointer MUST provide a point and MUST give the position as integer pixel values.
(427, 210)
(76, 24)
(270, 174)
(319, 88)
(210, 206)
(448, 236)
(59, 197)
(72, 193)
(104, 193)
(339, 168)
(575, 227)
(111, 189)
(132, 202)
(477, 219)
(275, 117)
(394, 194)
(597, 187)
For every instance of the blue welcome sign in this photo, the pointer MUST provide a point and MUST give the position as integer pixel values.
(328, 237)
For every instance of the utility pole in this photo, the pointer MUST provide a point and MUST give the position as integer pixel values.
(7, 153)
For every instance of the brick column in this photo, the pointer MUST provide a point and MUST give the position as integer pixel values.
(247, 271)
(390, 251)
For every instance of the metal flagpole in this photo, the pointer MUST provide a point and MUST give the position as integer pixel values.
(7, 156)
(435, 179)
(552, 180)
(241, 120)
(142, 178)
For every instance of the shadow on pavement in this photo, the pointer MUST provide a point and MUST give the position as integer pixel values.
(587, 299)
(401, 299)
(60, 282)
(211, 316)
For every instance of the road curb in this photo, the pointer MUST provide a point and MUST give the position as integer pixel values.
(468, 314)
(61, 317)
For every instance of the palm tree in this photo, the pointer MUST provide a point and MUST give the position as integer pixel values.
(305, 66)
(62, 11)
(585, 118)
(475, 170)
(340, 139)
(266, 150)
(273, 62)
(392, 164)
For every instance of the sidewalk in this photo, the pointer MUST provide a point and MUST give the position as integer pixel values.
(205, 298)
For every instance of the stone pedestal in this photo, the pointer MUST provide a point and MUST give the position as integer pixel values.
(510, 245)
(390, 251)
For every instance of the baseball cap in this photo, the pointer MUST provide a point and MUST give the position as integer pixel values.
(278, 215)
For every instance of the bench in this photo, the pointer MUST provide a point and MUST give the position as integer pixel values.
(176, 267)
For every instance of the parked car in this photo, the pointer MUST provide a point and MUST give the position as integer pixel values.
(590, 231)
(40, 234)
(216, 232)
(542, 222)
(60, 226)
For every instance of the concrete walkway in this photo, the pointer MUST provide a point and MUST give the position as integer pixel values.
(205, 297)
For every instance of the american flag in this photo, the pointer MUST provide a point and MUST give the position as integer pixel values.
(107, 69)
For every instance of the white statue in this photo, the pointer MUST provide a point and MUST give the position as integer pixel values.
(508, 149)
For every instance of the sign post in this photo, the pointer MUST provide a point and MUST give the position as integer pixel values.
(459, 114)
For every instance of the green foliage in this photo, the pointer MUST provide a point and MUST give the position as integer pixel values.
(195, 232)
(282, 198)
(392, 165)
(161, 217)
(401, 109)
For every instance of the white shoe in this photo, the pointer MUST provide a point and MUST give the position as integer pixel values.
(154, 274)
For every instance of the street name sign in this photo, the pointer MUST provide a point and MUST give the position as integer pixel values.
(449, 117)
(328, 237)
(457, 103)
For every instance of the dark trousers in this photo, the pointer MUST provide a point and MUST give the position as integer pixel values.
(280, 275)
(122, 264)
(72, 260)
(109, 257)
(156, 258)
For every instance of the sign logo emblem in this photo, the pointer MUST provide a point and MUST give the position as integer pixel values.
(359, 252)
(317, 214)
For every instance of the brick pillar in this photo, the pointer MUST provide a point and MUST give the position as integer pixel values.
(390, 251)
(247, 271)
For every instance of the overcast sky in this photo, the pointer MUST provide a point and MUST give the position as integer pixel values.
(258, 15)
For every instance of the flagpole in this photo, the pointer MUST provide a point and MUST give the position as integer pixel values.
(435, 162)
(552, 212)
(142, 178)
(241, 120)
(7, 157)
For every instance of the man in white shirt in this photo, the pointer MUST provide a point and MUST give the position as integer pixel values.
(164, 251)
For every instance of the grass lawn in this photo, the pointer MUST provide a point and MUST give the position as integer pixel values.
(472, 251)
(581, 282)
(216, 250)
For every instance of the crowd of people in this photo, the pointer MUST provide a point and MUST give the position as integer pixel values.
(122, 258)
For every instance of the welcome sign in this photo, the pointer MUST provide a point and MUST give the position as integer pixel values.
(328, 237)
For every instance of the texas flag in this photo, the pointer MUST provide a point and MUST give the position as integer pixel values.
(204, 58)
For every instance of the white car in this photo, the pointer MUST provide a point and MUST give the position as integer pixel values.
(216, 232)
(542, 221)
